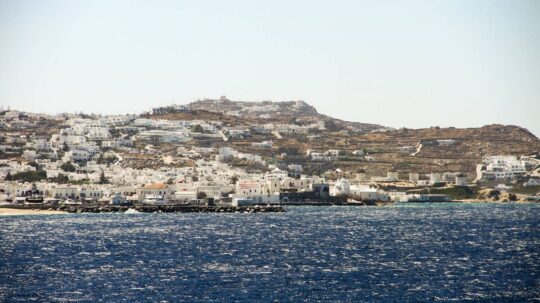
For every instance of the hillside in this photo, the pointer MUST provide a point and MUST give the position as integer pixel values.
(297, 133)
(404, 150)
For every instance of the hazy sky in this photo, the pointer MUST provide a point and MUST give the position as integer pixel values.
(396, 63)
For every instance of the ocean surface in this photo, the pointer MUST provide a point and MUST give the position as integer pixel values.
(419, 252)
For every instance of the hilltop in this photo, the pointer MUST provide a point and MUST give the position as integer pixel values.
(295, 112)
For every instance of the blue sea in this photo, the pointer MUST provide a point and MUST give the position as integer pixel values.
(408, 253)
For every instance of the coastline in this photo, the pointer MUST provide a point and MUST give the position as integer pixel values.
(498, 202)
(24, 212)
(8, 211)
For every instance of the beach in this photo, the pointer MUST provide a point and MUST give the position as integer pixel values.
(20, 212)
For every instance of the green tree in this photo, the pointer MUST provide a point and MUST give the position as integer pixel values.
(9, 177)
(103, 179)
(30, 176)
(61, 179)
(68, 167)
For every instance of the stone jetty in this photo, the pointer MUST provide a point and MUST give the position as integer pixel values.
(169, 209)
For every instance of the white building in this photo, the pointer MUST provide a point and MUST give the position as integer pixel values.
(446, 142)
(500, 168)
(334, 152)
(248, 187)
(461, 180)
(342, 187)
(264, 144)
(295, 170)
(215, 191)
(155, 190)
(165, 136)
(117, 199)
(369, 194)
(77, 155)
(90, 193)
(358, 152)
(532, 182)
(434, 178)
(392, 176)
(65, 192)
(185, 196)
(253, 190)
(226, 152)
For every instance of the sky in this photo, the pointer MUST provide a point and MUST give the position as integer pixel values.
(415, 64)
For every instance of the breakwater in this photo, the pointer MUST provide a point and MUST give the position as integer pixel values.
(156, 208)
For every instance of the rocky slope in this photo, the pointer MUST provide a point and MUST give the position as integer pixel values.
(404, 150)
(296, 112)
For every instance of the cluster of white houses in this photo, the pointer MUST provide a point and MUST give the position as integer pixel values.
(269, 188)
(504, 167)
(217, 179)
(87, 149)
(208, 179)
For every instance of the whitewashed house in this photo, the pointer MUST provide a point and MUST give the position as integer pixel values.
(340, 188)
(500, 168)
(295, 170)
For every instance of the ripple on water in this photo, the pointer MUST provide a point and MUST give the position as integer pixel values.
(424, 252)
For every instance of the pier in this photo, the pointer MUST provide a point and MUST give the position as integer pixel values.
(155, 208)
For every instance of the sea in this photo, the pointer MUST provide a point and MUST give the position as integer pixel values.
(443, 252)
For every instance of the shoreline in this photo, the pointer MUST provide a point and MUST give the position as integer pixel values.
(16, 211)
(498, 202)
(24, 212)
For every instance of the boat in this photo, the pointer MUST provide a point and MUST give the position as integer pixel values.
(71, 202)
(154, 200)
(33, 196)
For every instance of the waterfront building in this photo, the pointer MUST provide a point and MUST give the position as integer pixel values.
(185, 196)
(154, 190)
(342, 187)
(90, 193)
(369, 193)
(428, 198)
(117, 199)
(398, 196)
(500, 168)
(64, 192)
